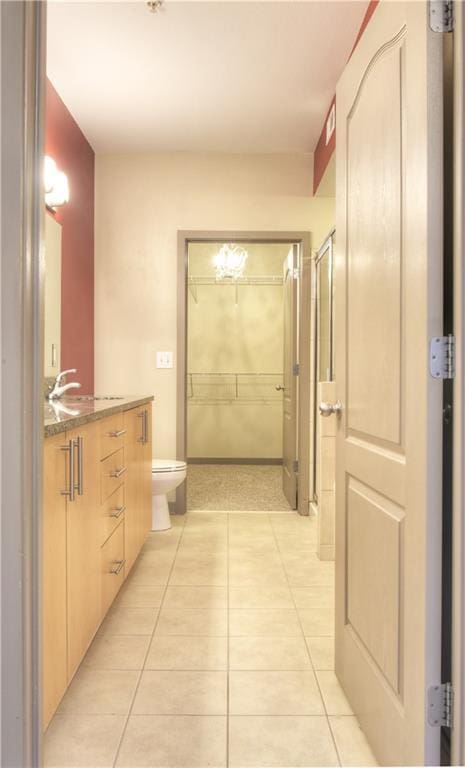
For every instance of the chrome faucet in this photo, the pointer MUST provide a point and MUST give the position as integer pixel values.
(59, 389)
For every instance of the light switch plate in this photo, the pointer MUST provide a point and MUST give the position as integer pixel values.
(164, 359)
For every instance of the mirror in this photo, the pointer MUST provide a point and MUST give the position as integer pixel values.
(52, 310)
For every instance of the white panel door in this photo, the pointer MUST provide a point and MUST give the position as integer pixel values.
(290, 302)
(389, 444)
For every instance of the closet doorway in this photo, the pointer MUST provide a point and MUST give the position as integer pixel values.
(241, 350)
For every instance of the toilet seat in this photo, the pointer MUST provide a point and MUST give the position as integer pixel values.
(168, 465)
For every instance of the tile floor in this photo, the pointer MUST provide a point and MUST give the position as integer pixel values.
(218, 652)
(236, 487)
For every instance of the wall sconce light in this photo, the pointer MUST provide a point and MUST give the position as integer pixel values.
(55, 184)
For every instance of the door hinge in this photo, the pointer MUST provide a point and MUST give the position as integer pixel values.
(296, 369)
(441, 15)
(441, 705)
(295, 465)
(442, 357)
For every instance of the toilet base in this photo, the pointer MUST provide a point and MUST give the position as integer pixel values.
(161, 520)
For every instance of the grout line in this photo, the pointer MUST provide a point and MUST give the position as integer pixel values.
(147, 652)
(311, 661)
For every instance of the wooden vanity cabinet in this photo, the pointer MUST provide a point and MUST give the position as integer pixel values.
(138, 448)
(54, 597)
(83, 545)
(96, 515)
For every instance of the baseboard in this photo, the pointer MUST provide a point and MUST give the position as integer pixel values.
(234, 461)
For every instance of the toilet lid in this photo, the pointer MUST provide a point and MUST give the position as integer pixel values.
(168, 465)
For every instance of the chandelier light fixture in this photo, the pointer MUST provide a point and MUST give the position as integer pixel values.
(230, 261)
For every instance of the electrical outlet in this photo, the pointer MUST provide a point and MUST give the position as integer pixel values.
(164, 359)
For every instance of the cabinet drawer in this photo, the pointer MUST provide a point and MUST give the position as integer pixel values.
(112, 473)
(112, 513)
(112, 554)
(112, 433)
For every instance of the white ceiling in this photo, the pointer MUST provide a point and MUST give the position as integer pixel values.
(200, 76)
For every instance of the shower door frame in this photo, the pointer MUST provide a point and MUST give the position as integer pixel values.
(303, 240)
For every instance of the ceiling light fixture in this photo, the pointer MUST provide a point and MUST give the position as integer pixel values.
(154, 5)
(230, 261)
(55, 184)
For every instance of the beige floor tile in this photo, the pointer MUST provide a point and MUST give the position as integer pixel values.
(274, 693)
(117, 652)
(351, 742)
(153, 741)
(307, 598)
(261, 596)
(82, 741)
(321, 652)
(101, 692)
(188, 653)
(280, 742)
(247, 548)
(289, 546)
(209, 574)
(243, 576)
(197, 547)
(163, 539)
(250, 538)
(199, 556)
(306, 570)
(263, 560)
(129, 621)
(154, 557)
(178, 521)
(316, 609)
(181, 693)
(258, 653)
(197, 621)
(333, 695)
(269, 622)
(152, 575)
(196, 597)
(140, 596)
(203, 532)
(205, 519)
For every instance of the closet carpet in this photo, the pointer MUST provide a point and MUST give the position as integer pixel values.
(236, 488)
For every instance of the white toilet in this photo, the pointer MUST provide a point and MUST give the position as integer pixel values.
(167, 474)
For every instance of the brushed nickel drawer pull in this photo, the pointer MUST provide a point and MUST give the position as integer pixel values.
(117, 433)
(119, 567)
(117, 511)
(118, 472)
(80, 482)
(141, 439)
(71, 489)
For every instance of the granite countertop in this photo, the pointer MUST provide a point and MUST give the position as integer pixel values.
(69, 412)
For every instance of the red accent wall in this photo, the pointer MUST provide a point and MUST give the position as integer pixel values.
(323, 151)
(67, 145)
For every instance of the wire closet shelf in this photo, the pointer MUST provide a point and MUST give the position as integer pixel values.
(234, 387)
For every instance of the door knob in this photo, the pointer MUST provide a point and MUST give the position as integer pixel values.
(327, 409)
(279, 388)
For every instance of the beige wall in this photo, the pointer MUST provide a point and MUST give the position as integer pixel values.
(141, 203)
(226, 337)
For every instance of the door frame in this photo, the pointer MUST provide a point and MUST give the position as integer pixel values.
(22, 275)
(458, 500)
(327, 244)
(303, 239)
